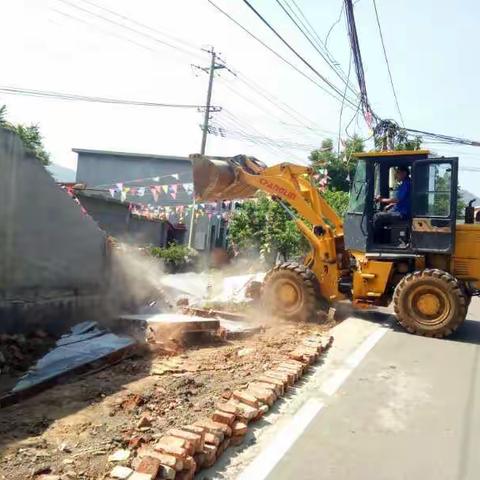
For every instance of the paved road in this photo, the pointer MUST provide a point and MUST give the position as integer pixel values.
(409, 410)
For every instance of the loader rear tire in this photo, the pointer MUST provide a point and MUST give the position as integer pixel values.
(290, 291)
(430, 302)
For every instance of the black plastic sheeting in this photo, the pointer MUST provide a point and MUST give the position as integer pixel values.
(85, 344)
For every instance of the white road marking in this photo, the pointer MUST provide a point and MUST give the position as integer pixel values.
(266, 461)
(332, 384)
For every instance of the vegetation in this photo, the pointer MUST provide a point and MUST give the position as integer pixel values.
(176, 258)
(262, 225)
(30, 136)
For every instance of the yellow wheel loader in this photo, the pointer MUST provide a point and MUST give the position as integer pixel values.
(427, 264)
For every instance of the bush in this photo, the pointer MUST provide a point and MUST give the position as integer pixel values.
(177, 258)
(337, 199)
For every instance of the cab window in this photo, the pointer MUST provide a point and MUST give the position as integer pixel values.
(359, 188)
(433, 189)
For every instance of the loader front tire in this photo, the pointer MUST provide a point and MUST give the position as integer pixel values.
(430, 302)
(290, 291)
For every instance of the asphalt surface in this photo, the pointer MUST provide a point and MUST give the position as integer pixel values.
(408, 410)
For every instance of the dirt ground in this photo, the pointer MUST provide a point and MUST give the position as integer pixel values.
(71, 429)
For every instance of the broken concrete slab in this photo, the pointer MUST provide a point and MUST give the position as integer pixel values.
(177, 321)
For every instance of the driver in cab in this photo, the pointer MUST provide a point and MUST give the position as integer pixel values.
(398, 207)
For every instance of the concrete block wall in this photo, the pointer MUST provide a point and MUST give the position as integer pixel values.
(50, 252)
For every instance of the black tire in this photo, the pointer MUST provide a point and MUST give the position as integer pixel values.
(430, 302)
(290, 291)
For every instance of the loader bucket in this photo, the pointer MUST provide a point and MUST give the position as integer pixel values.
(216, 178)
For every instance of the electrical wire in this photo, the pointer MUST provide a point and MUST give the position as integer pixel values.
(324, 55)
(271, 50)
(300, 57)
(130, 29)
(368, 113)
(343, 103)
(334, 25)
(387, 62)
(143, 25)
(84, 98)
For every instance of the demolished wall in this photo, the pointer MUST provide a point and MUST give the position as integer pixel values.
(53, 257)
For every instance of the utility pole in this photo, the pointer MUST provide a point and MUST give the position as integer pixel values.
(211, 73)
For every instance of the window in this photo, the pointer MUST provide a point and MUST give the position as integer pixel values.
(359, 189)
(433, 185)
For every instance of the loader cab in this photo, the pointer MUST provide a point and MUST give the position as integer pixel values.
(430, 226)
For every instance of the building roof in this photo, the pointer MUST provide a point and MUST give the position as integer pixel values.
(127, 154)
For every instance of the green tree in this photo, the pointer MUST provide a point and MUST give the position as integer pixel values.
(30, 136)
(263, 225)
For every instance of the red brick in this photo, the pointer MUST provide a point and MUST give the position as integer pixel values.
(244, 397)
(164, 458)
(223, 446)
(212, 439)
(200, 459)
(277, 384)
(176, 446)
(185, 475)
(149, 465)
(291, 376)
(263, 395)
(245, 412)
(210, 455)
(196, 439)
(283, 377)
(228, 407)
(190, 464)
(213, 426)
(239, 428)
(265, 386)
(292, 373)
(223, 417)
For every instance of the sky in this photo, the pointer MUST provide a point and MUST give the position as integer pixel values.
(57, 45)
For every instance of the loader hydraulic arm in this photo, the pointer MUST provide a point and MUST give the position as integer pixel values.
(218, 178)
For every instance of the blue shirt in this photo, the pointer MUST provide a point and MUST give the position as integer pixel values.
(403, 199)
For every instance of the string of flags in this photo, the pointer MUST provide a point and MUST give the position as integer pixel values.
(178, 212)
(155, 190)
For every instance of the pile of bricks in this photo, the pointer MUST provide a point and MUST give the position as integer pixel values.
(183, 451)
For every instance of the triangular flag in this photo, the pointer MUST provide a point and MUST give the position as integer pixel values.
(133, 191)
(174, 188)
(141, 191)
(186, 186)
(112, 192)
(123, 195)
(154, 193)
(158, 189)
(119, 186)
(156, 179)
(174, 195)
(175, 176)
(165, 189)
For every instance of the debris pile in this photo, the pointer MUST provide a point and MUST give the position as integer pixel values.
(181, 452)
(18, 353)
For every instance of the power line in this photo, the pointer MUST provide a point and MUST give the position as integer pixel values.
(314, 42)
(357, 58)
(84, 98)
(313, 69)
(387, 62)
(143, 25)
(271, 50)
(334, 24)
(126, 27)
